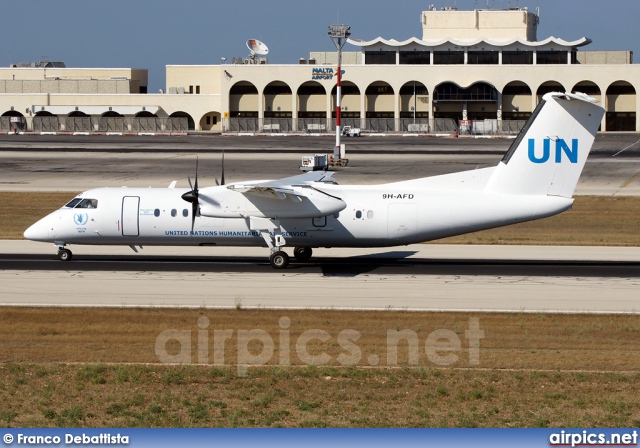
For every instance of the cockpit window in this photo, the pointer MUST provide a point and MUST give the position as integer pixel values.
(88, 203)
(73, 202)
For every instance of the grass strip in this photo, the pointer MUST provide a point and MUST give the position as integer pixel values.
(594, 221)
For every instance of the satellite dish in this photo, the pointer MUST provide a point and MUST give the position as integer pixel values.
(257, 48)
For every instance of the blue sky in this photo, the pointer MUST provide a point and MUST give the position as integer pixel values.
(153, 33)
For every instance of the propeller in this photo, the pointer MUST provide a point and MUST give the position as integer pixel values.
(192, 197)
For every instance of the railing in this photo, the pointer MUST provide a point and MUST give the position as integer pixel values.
(492, 127)
(319, 125)
(373, 126)
(109, 124)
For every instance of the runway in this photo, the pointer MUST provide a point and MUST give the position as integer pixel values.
(74, 171)
(416, 277)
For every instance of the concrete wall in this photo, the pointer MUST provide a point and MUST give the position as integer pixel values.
(468, 25)
(137, 77)
(208, 77)
(331, 57)
(82, 86)
(605, 57)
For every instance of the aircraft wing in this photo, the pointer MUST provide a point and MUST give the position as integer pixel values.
(290, 187)
(293, 197)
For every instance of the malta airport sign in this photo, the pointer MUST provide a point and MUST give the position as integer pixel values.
(324, 73)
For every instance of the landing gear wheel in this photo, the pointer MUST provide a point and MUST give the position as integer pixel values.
(302, 253)
(65, 255)
(279, 260)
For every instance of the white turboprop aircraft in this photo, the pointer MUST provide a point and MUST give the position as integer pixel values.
(535, 179)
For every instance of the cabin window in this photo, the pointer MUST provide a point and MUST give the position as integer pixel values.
(370, 214)
(185, 212)
(88, 203)
(156, 212)
(174, 213)
(73, 202)
(358, 214)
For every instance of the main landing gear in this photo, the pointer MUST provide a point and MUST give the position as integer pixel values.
(302, 253)
(271, 233)
(280, 260)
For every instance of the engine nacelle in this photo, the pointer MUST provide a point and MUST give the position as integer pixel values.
(221, 202)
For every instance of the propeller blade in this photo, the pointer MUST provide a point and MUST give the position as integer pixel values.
(194, 210)
(193, 197)
(222, 176)
(195, 187)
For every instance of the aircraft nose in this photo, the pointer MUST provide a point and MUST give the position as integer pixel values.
(37, 232)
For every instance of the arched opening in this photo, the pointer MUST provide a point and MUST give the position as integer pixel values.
(350, 103)
(147, 122)
(78, 121)
(516, 101)
(312, 100)
(179, 120)
(12, 113)
(380, 110)
(45, 121)
(414, 107)
(547, 87)
(211, 121)
(588, 87)
(476, 102)
(145, 114)
(350, 112)
(243, 100)
(277, 102)
(621, 107)
(111, 113)
(78, 113)
(312, 107)
(112, 121)
(13, 121)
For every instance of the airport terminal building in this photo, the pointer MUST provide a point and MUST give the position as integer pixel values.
(484, 70)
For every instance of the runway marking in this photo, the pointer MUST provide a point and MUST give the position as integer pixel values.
(627, 183)
(624, 149)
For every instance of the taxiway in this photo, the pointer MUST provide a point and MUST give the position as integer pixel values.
(424, 277)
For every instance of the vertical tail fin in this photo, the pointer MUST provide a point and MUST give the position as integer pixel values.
(549, 154)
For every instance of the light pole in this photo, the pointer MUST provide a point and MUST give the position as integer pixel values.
(339, 35)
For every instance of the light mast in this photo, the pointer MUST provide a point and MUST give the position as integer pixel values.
(339, 35)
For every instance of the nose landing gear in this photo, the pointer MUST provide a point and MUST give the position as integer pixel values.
(64, 254)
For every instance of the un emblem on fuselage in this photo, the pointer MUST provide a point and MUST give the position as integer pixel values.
(80, 219)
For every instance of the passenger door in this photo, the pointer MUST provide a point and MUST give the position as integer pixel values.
(131, 216)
